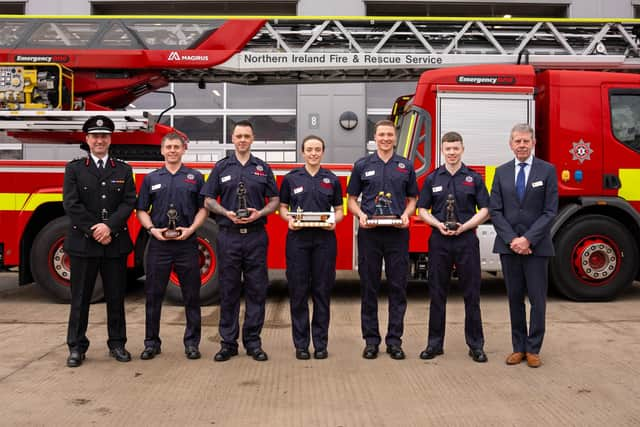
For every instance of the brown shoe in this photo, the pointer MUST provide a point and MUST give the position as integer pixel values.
(515, 358)
(533, 360)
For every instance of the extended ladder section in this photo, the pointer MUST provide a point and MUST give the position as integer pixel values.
(304, 49)
(72, 121)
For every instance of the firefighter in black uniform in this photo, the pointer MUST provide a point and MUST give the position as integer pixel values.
(177, 208)
(98, 197)
(310, 252)
(242, 241)
(386, 172)
(455, 245)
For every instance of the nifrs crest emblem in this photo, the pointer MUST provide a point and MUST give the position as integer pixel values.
(581, 151)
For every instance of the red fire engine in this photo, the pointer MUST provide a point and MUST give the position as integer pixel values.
(586, 121)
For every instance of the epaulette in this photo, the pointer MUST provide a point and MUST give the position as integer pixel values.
(77, 159)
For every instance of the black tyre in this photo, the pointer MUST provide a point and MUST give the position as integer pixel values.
(207, 248)
(596, 258)
(50, 265)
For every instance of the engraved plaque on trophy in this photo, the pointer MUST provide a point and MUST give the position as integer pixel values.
(383, 213)
(451, 222)
(171, 232)
(304, 219)
(242, 211)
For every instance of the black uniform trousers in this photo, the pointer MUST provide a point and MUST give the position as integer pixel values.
(464, 252)
(84, 272)
(183, 256)
(526, 275)
(311, 269)
(374, 245)
(242, 258)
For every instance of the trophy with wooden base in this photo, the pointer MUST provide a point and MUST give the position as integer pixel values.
(172, 232)
(383, 215)
(310, 219)
(451, 222)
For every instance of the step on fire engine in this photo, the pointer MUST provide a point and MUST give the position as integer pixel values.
(572, 80)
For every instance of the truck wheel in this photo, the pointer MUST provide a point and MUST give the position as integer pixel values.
(596, 258)
(207, 247)
(50, 265)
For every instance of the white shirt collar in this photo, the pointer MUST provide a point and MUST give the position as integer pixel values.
(528, 161)
(96, 158)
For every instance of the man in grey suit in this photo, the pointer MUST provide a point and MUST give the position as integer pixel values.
(524, 202)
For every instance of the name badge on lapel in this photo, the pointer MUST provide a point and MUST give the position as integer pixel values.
(537, 184)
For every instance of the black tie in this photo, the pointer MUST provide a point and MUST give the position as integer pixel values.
(100, 164)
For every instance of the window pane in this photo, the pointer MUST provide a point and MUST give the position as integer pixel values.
(276, 96)
(151, 101)
(60, 34)
(625, 119)
(383, 95)
(200, 128)
(267, 128)
(188, 95)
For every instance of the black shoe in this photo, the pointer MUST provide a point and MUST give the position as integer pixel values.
(120, 354)
(259, 354)
(75, 359)
(478, 355)
(321, 354)
(370, 351)
(302, 354)
(149, 353)
(225, 354)
(430, 353)
(192, 352)
(396, 352)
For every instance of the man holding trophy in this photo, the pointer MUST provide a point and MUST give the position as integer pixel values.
(311, 245)
(242, 182)
(452, 193)
(387, 183)
(171, 209)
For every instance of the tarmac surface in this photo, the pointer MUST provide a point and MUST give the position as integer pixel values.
(590, 375)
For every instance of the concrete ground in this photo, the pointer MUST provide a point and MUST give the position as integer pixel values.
(589, 377)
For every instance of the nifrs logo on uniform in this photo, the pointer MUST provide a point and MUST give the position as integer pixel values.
(468, 181)
(402, 167)
(298, 190)
(326, 183)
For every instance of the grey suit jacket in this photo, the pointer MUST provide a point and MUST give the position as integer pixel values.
(531, 218)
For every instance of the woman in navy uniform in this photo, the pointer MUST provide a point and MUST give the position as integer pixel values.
(457, 246)
(98, 197)
(311, 252)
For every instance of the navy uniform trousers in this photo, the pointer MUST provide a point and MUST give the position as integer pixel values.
(113, 272)
(183, 256)
(464, 252)
(311, 268)
(243, 258)
(526, 275)
(374, 245)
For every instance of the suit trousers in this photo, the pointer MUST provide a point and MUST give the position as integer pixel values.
(84, 272)
(526, 275)
(390, 244)
(182, 256)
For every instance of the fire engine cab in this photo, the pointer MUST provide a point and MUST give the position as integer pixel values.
(572, 81)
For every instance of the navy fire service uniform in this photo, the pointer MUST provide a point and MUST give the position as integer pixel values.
(463, 250)
(159, 191)
(369, 177)
(90, 196)
(242, 249)
(311, 254)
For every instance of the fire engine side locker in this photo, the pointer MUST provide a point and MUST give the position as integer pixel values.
(484, 117)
